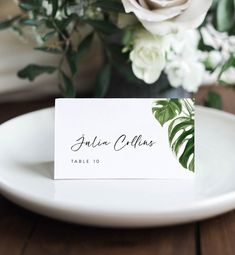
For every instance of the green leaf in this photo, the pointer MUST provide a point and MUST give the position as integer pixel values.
(230, 63)
(74, 56)
(32, 22)
(8, 23)
(48, 35)
(191, 165)
(84, 46)
(204, 47)
(109, 6)
(30, 5)
(49, 50)
(127, 36)
(214, 4)
(126, 72)
(171, 126)
(103, 80)
(165, 110)
(32, 71)
(67, 88)
(179, 142)
(51, 24)
(103, 26)
(71, 57)
(187, 153)
(122, 66)
(213, 100)
(182, 125)
(64, 23)
(225, 15)
(180, 129)
(55, 6)
(181, 139)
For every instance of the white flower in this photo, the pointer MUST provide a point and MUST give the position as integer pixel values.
(184, 43)
(183, 66)
(49, 9)
(219, 41)
(224, 46)
(176, 72)
(148, 57)
(47, 6)
(229, 76)
(189, 75)
(166, 16)
(214, 58)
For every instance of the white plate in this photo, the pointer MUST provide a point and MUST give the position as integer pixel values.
(26, 166)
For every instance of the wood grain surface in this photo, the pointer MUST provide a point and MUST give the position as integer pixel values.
(26, 233)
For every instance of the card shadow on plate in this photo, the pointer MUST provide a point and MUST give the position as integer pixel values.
(44, 169)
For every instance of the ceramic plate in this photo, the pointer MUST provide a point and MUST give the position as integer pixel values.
(26, 168)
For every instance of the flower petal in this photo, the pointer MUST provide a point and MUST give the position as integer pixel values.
(156, 15)
(164, 3)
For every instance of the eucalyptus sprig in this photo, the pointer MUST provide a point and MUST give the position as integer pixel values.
(56, 25)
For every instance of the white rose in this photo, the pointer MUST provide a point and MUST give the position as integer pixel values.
(166, 16)
(148, 57)
(189, 74)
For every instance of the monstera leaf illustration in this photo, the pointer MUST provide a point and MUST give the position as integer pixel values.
(165, 110)
(179, 113)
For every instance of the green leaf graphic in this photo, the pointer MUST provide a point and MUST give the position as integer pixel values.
(165, 110)
(179, 113)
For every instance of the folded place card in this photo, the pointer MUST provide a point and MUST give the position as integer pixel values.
(124, 138)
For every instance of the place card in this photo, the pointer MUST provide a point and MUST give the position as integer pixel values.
(124, 138)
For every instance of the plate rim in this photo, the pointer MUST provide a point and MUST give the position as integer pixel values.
(218, 204)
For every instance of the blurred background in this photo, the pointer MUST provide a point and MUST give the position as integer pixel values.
(16, 52)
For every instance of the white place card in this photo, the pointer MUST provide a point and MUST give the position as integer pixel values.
(124, 138)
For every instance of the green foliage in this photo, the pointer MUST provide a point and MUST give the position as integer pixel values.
(8, 23)
(228, 64)
(84, 46)
(30, 5)
(67, 87)
(179, 113)
(103, 26)
(103, 80)
(165, 110)
(181, 138)
(73, 57)
(203, 46)
(55, 6)
(49, 50)
(225, 15)
(57, 32)
(213, 100)
(31, 22)
(109, 6)
(32, 71)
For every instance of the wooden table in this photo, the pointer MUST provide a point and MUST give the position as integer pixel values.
(26, 233)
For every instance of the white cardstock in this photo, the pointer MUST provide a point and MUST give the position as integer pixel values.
(112, 138)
